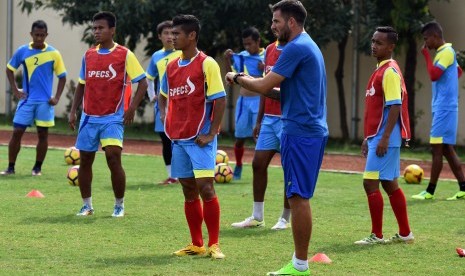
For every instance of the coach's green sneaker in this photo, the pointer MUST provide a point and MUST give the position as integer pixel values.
(400, 239)
(289, 269)
(370, 240)
(423, 195)
(459, 195)
(191, 249)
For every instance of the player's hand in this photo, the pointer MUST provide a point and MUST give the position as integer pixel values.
(162, 117)
(19, 94)
(228, 54)
(229, 78)
(72, 121)
(204, 139)
(256, 131)
(53, 101)
(381, 149)
(128, 116)
(364, 148)
(261, 66)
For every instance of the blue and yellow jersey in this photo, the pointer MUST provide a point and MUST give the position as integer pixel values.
(446, 89)
(38, 68)
(133, 68)
(247, 63)
(158, 63)
(392, 96)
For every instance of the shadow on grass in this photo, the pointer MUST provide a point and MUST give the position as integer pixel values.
(344, 248)
(246, 232)
(147, 260)
(70, 219)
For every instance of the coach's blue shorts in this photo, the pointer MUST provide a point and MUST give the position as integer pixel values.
(190, 160)
(91, 134)
(301, 158)
(246, 115)
(269, 137)
(444, 127)
(382, 168)
(40, 113)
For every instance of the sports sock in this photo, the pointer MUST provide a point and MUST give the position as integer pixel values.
(37, 165)
(431, 188)
(399, 206)
(286, 214)
(168, 170)
(462, 186)
(376, 205)
(211, 215)
(258, 210)
(11, 166)
(87, 201)
(119, 201)
(194, 217)
(300, 265)
(238, 152)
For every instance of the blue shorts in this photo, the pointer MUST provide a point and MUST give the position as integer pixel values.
(246, 115)
(159, 127)
(40, 113)
(382, 168)
(444, 127)
(301, 158)
(91, 134)
(189, 160)
(269, 137)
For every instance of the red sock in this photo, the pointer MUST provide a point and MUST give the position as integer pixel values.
(238, 152)
(194, 217)
(211, 214)
(376, 205)
(399, 206)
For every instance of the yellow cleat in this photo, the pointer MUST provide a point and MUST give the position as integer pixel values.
(190, 250)
(215, 252)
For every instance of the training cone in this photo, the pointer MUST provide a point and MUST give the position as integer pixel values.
(320, 258)
(35, 193)
(460, 251)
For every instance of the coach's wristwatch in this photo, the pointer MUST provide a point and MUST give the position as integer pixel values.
(236, 76)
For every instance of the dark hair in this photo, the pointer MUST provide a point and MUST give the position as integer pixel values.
(392, 35)
(39, 24)
(432, 27)
(106, 15)
(291, 8)
(163, 25)
(251, 32)
(188, 23)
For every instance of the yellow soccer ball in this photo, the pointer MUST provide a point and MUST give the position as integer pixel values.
(72, 175)
(72, 156)
(223, 173)
(413, 174)
(222, 157)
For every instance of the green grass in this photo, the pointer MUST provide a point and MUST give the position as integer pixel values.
(43, 235)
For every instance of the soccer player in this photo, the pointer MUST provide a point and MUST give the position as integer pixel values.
(386, 123)
(193, 93)
(300, 70)
(249, 61)
(444, 73)
(36, 103)
(103, 79)
(155, 71)
(267, 131)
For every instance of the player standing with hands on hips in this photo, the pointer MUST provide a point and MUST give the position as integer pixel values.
(104, 76)
(300, 72)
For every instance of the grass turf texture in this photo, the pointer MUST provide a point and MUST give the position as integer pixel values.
(43, 235)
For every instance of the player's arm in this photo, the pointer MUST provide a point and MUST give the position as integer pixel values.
(18, 93)
(136, 74)
(60, 87)
(227, 60)
(434, 72)
(77, 100)
(163, 97)
(265, 86)
(392, 97)
(60, 71)
(152, 75)
(258, 123)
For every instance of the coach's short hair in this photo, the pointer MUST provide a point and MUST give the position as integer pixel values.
(39, 24)
(106, 15)
(392, 35)
(291, 8)
(163, 25)
(188, 23)
(432, 27)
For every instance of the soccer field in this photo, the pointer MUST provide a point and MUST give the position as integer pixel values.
(43, 235)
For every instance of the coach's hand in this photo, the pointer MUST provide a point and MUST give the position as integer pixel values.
(128, 117)
(72, 121)
(204, 139)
